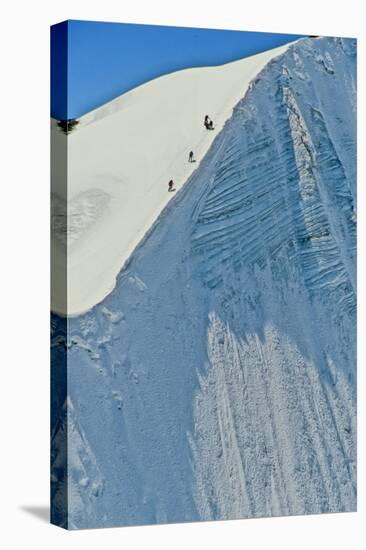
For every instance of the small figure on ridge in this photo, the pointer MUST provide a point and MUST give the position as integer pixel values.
(208, 123)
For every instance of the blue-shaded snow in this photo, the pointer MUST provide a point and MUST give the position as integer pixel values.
(217, 380)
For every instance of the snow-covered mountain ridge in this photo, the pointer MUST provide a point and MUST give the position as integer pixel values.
(120, 158)
(218, 379)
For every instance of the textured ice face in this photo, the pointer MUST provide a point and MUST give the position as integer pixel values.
(217, 380)
(119, 161)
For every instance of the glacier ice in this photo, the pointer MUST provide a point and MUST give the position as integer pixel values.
(218, 379)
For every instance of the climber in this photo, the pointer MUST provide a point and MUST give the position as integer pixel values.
(170, 185)
(208, 123)
(190, 158)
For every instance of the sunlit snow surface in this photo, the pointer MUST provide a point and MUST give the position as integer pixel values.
(218, 379)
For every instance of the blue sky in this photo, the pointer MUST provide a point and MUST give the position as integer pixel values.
(104, 60)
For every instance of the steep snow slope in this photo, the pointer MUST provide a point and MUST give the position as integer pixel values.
(119, 161)
(217, 380)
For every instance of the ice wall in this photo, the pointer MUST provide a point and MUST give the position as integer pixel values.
(218, 379)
